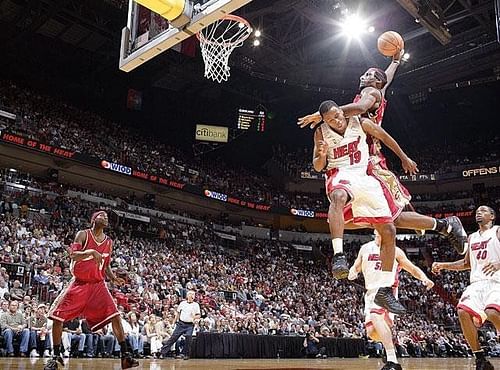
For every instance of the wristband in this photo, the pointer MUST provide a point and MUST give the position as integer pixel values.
(396, 61)
(75, 247)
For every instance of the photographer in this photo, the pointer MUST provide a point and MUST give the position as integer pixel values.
(311, 346)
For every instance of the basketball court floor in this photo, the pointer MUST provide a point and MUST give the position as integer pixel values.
(333, 364)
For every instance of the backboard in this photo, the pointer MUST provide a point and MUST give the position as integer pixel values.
(147, 34)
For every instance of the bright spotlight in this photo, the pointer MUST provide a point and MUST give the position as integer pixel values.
(258, 33)
(371, 29)
(406, 56)
(353, 26)
(256, 42)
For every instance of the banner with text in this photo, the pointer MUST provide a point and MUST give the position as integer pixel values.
(481, 171)
(28, 143)
(216, 134)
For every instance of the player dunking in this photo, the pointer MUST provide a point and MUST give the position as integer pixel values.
(341, 148)
(86, 295)
(371, 103)
(481, 299)
(378, 321)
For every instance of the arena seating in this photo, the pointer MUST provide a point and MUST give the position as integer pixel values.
(260, 287)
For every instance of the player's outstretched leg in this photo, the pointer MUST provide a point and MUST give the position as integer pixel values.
(456, 234)
(451, 227)
(338, 200)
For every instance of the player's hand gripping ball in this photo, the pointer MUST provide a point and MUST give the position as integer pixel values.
(390, 43)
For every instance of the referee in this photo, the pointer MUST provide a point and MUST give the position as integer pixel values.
(187, 312)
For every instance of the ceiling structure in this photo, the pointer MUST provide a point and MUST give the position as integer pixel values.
(300, 44)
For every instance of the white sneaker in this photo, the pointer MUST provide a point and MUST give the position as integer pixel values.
(66, 354)
(46, 353)
(34, 353)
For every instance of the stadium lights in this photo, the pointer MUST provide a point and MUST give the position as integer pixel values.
(256, 42)
(406, 57)
(257, 33)
(354, 26)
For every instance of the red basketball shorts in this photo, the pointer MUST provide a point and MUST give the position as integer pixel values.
(90, 301)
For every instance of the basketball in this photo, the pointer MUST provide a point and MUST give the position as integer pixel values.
(390, 43)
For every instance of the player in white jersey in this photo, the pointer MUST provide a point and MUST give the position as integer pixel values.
(340, 147)
(481, 300)
(379, 321)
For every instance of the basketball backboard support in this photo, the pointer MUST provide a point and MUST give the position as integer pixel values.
(147, 34)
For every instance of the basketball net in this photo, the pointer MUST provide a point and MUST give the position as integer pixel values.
(218, 41)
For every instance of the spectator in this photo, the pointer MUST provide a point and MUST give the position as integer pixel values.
(16, 292)
(40, 339)
(14, 325)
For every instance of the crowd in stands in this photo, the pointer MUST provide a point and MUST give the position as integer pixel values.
(54, 122)
(271, 289)
(434, 159)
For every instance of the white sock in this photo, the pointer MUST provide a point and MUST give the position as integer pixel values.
(391, 355)
(338, 245)
(435, 224)
(385, 278)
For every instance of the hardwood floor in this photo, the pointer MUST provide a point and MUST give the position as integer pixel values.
(333, 363)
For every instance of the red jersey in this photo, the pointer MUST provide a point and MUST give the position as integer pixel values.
(86, 270)
(378, 115)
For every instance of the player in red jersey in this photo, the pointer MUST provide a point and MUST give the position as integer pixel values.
(86, 295)
(371, 103)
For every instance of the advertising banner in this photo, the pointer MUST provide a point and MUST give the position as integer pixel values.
(216, 134)
(481, 171)
(45, 148)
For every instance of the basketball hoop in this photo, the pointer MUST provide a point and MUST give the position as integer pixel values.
(218, 41)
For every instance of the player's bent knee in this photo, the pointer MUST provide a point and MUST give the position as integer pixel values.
(492, 313)
(338, 197)
(387, 230)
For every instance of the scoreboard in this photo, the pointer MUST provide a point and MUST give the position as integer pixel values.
(249, 119)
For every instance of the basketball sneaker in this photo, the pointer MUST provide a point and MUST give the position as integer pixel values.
(340, 269)
(456, 234)
(483, 364)
(385, 298)
(56, 362)
(128, 361)
(392, 366)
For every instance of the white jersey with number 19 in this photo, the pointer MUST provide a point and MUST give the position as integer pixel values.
(484, 248)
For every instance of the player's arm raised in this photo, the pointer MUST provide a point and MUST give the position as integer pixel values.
(460, 265)
(320, 152)
(415, 271)
(77, 254)
(409, 166)
(390, 72)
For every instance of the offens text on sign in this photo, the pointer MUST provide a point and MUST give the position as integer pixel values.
(483, 171)
(211, 133)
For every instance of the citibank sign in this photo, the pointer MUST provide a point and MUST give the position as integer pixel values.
(116, 167)
(211, 133)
